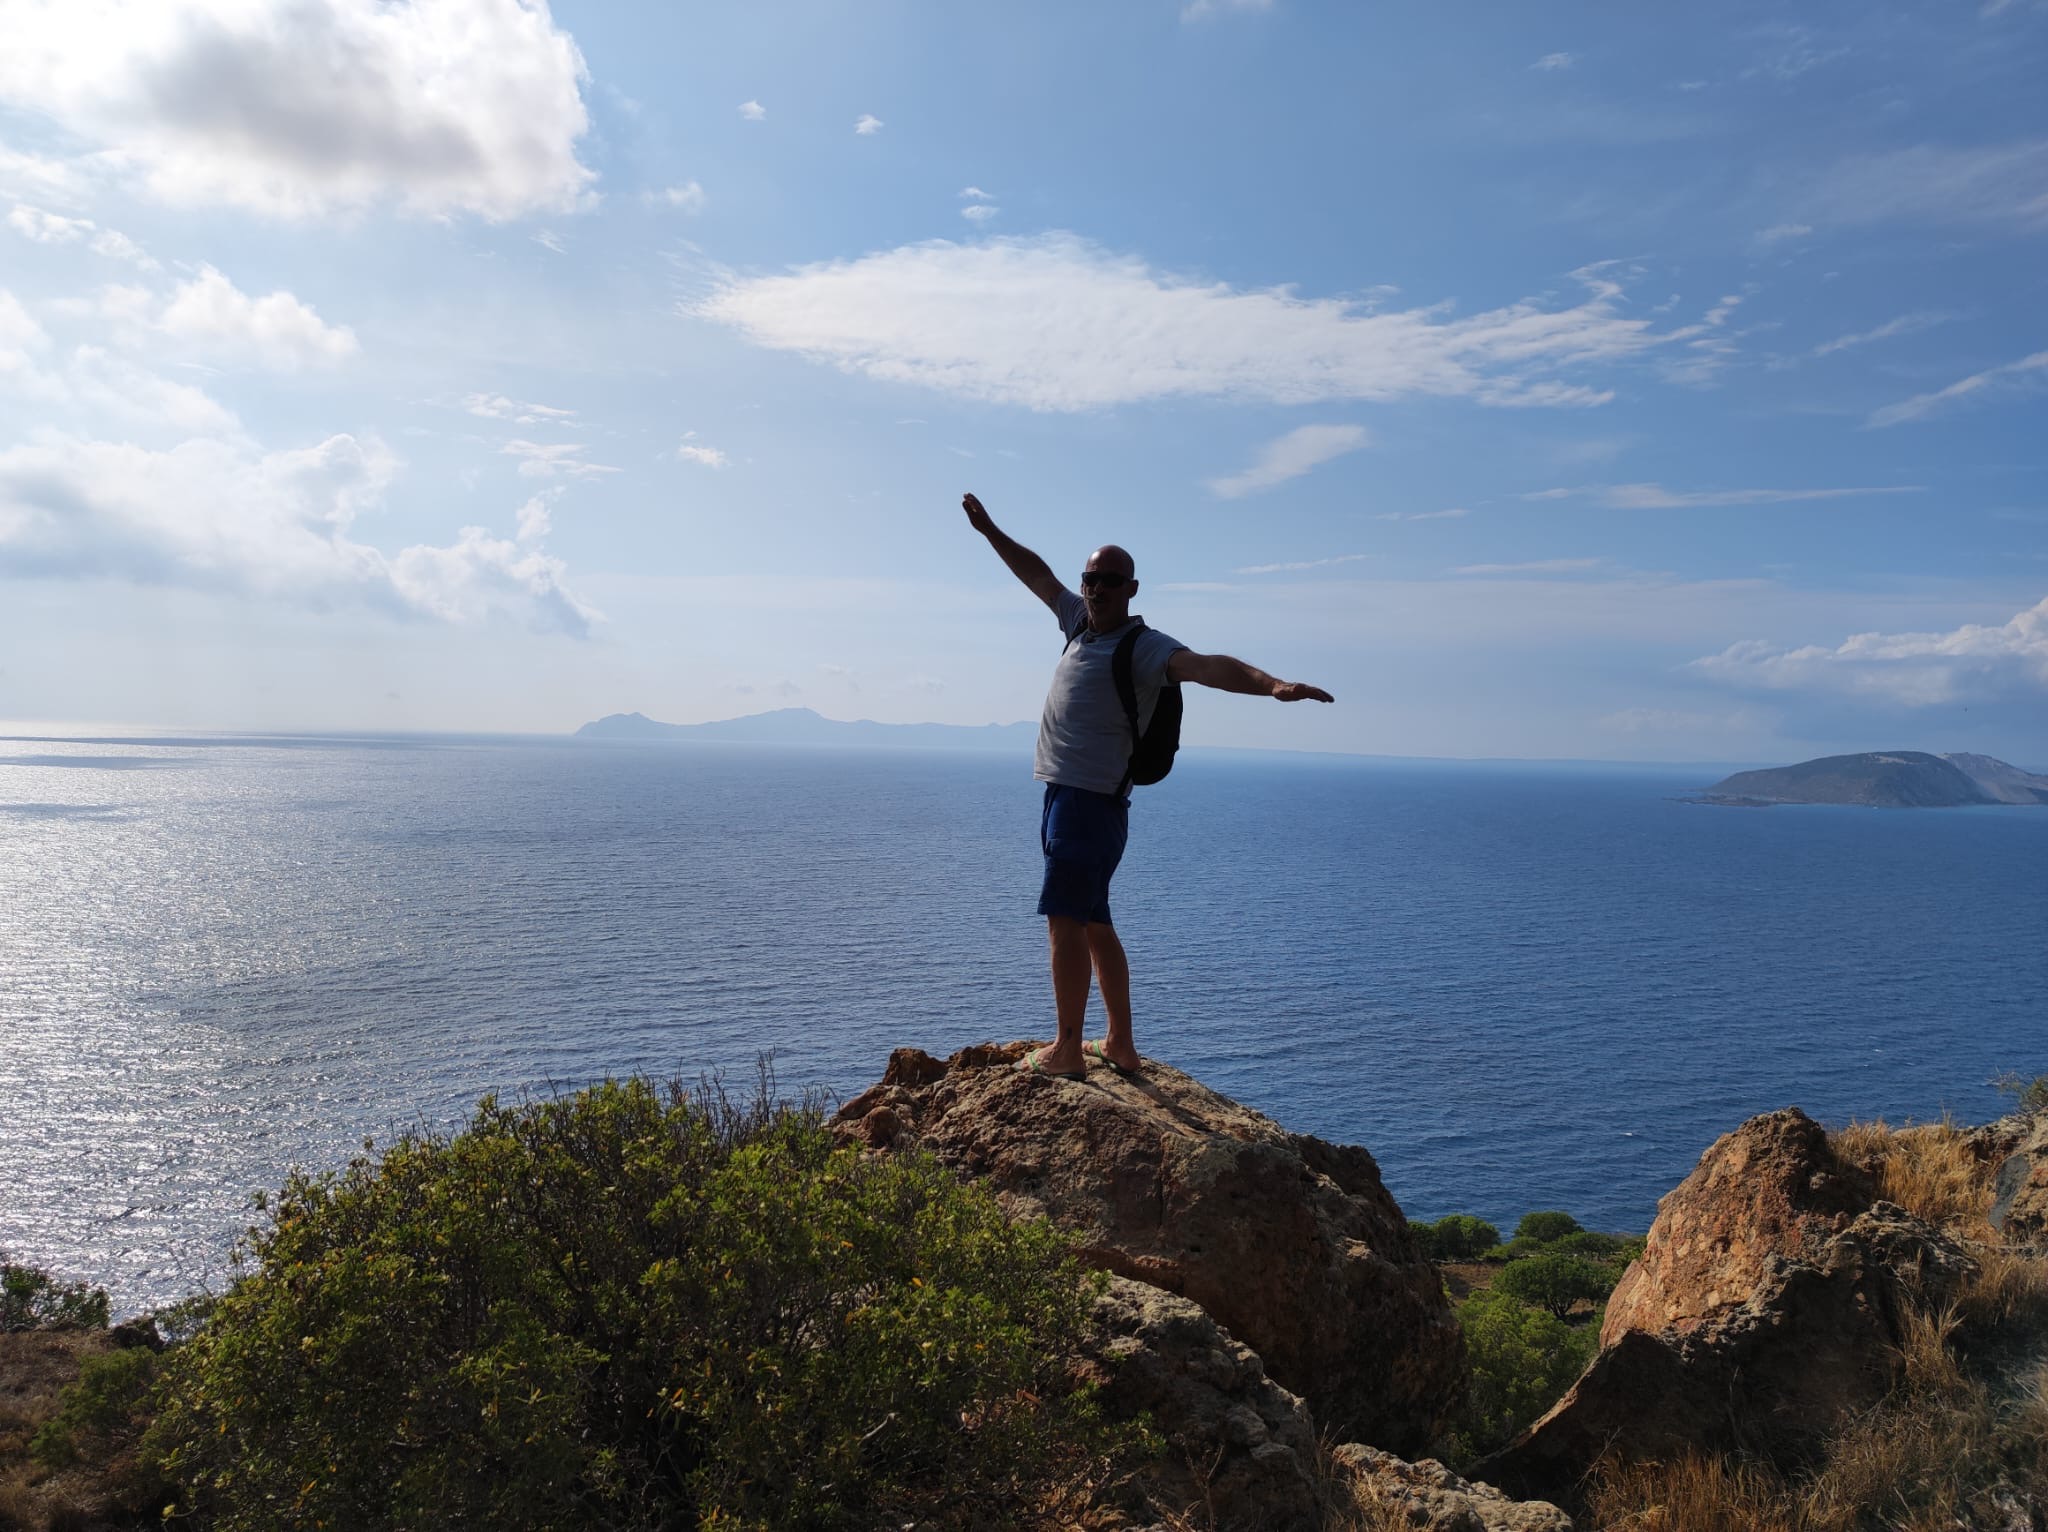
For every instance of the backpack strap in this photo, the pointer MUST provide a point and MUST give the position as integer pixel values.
(1120, 670)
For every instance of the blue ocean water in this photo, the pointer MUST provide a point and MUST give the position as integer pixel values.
(1519, 986)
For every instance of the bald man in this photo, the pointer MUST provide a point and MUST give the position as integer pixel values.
(1084, 753)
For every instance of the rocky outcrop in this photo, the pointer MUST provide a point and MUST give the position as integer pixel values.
(2019, 1187)
(1767, 1306)
(1240, 1450)
(1293, 1245)
(1429, 1497)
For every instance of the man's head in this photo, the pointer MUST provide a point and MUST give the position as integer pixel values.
(1108, 582)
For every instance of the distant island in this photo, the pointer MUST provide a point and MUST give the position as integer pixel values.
(1889, 779)
(802, 726)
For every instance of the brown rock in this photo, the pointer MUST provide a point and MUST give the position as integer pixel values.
(1430, 1497)
(1240, 1450)
(2019, 1209)
(1291, 1244)
(1767, 1304)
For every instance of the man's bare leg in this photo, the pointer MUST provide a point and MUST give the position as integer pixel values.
(1068, 939)
(1113, 979)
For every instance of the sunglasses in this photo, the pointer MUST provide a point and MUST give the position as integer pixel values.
(1108, 579)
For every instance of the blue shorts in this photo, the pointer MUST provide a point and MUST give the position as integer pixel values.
(1082, 835)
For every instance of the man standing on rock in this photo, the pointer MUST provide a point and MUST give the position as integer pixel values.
(1084, 754)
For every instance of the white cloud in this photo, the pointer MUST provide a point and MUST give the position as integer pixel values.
(1913, 669)
(1055, 323)
(1992, 184)
(975, 194)
(1289, 568)
(1655, 497)
(1553, 61)
(548, 239)
(1451, 513)
(118, 387)
(46, 228)
(1778, 233)
(498, 407)
(1920, 406)
(20, 336)
(115, 245)
(535, 518)
(686, 198)
(316, 106)
(980, 212)
(218, 516)
(553, 460)
(1538, 566)
(1905, 324)
(866, 124)
(708, 457)
(753, 111)
(1195, 10)
(1290, 457)
(277, 330)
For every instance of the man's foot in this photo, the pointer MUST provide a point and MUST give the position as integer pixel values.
(1098, 1048)
(1035, 1063)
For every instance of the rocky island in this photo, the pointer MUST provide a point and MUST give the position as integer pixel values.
(1889, 779)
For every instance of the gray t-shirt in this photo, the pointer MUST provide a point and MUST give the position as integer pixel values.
(1084, 739)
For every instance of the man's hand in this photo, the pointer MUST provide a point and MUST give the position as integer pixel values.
(977, 517)
(1299, 691)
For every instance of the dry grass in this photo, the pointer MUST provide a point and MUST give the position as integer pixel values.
(1928, 1169)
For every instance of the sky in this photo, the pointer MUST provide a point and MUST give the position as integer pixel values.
(1580, 381)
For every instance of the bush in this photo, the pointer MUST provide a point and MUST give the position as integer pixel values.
(2028, 1095)
(1522, 1362)
(1456, 1237)
(634, 1308)
(1594, 1247)
(106, 1407)
(32, 1299)
(1517, 1249)
(1555, 1282)
(1546, 1227)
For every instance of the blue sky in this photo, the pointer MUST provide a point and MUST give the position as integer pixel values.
(1543, 381)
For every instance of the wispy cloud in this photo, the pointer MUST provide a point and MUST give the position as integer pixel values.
(1909, 669)
(975, 194)
(1195, 10)
(1538, 566)
(498, 407)
(469, 106)
(47, 228)
(867, 124)
(1655, 497)
(686, 198)
(1291, 456)
(1293, 567)
(1450, 513)
(979, 212)
(553, 460)
(548, 239)
(753, 111)
(1778, 233)
(1992, 379)
(1990, 184)
(1905, 324)
(1056, 323)
(703, 456)
(1551, 62)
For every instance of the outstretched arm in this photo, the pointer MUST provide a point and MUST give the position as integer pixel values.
(1229, 675)
(1027, 566)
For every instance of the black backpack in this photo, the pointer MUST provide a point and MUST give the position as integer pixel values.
(1152, 751)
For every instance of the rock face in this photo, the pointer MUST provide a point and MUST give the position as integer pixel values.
(2019, 1210)
(1291, 1244)
(1763, 1310)
(1429, 1497)
(1240, 1450)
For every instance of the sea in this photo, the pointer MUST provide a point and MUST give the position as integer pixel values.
(1521, 986)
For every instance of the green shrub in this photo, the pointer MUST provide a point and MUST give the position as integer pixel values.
(106, 1407)
(1516, 1249)
(1455, 1237)
(32, 1299)
(1546, 1227)
(2028, 1095)
(1555, 1282)
(634, 1309)
(1594, 1247)
(1522, 1362)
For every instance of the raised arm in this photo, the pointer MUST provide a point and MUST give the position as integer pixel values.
(1229, 675)
(1027, 566)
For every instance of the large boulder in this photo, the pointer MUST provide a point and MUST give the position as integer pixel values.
(1291, 1244)
(1428, 1497)
(1240, 1450)
(1767, 1306)
(2019, 1208)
